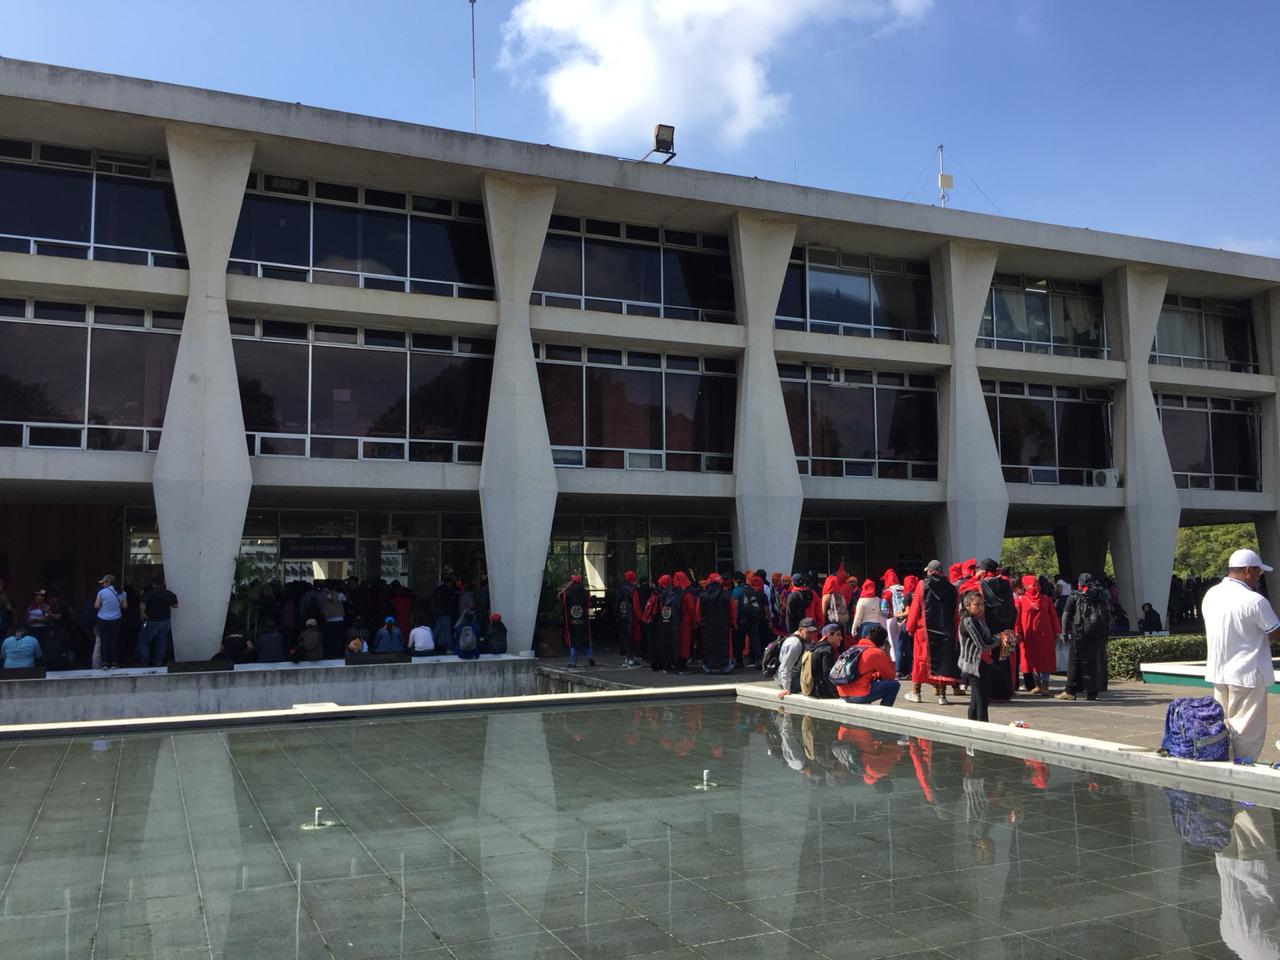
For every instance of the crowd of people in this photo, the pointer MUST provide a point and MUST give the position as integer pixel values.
(972, 630)
(270, 623)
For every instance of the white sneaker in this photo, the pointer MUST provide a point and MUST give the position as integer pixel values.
(943, 701)
(912, 697)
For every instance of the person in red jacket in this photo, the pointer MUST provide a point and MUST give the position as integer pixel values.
(688, 614)
(1037, 629)
(875, 681)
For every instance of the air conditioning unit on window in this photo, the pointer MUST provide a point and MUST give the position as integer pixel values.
(1106, 478)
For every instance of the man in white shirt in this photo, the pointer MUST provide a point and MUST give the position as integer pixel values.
(421, 640)
(1239, 626)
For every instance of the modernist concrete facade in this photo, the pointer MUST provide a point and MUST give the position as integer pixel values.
(956, 502)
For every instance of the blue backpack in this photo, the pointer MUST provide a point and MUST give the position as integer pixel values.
(845, 669)
(1194, 730)
(1202, 821)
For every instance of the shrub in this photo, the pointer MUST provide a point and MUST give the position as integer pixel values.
(1125, 655)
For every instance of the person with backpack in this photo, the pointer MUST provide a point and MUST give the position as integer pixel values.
(834, 608)
(753, 611)
(931, 623)
(1086, 623)
(1001, 617)
(801, 604)
(718, 616)
(901, 648)
(817, 661)
(466, 637)
(577, 620)
(1240, 626)
(789, 653)
(869, 671)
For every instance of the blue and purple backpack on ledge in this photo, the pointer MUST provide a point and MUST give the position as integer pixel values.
(1194, 729)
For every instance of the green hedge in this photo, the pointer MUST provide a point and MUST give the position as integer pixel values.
(1126, 654)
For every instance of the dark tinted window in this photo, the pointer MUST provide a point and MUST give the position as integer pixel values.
(907, 424)
(842, 422)
(1186, 435)
(39, 202)
(1084, 435)
(791, 300)
(449, 396)
(839, 297)
(1235, 444)
(136, 213)
(1026, 432)
(796, 397)
(624, 408)
(273, 385)
(1230, 339)
(451, 252)
(273, 230)
(621, 271)
(905, 303)
(129, 376)
(364, 241)
(562, 400)
(701, 412)
(560, 269)
(42, 373)
(358, 393)
(692, 279)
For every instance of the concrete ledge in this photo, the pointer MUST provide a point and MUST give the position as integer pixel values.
(1117, 759)
(86, 697)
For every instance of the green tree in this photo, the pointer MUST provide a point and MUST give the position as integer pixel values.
(1037, 555)
(1203, 551)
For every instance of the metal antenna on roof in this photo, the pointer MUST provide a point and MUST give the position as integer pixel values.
(473, 67)
(945, 180)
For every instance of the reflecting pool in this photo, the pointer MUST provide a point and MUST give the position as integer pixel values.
(581, 833)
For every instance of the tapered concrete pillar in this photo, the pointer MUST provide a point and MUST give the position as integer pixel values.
(1144, 534)
(1081, 548)
(972, 523)
(518, 485)
(768, 497)
(1266, 324)
(202, 478)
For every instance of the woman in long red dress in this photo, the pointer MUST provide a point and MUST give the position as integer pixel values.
(1037, 630)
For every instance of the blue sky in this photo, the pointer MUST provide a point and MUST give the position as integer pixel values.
(1156, 119)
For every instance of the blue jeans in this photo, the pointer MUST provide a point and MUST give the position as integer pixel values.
(883, 691)
(153, 643)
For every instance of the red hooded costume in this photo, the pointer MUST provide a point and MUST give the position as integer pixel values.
(688, 613)
(1037, 628)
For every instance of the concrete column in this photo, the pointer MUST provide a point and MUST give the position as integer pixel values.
(973, 521)
(518, 485)
(1266, 325)
(1081, 548)
(1144, 534)
(767, 494)
(202, 478)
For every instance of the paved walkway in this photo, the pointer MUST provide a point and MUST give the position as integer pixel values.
(1130, 712)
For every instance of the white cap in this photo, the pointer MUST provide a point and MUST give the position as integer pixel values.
(1247, 558)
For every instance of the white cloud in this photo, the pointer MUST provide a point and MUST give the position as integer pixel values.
(611, 69)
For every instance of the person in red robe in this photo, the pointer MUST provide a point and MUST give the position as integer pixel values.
(1037, 630)
(688, 614)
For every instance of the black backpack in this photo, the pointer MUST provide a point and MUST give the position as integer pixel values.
(1000, 611)
(772, 658)
(753, 604)
(1090, 616)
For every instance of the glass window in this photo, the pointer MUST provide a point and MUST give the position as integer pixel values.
(450, 251)
(560, 270)
(42, 371)
(843, 422)
(449, 396)
(561, 387)
(1235, 444)
(39, 202)
(907, 425)
(701, 412)
(273, 230)
(792, 299)
(622, 271)
(1084, 435)
(836, 297)
(1230, 340)
(692, 279)
(357, 393)
(624, 408)
(903, 303)
(129, 374)
(360, 241)
(136, 213)
(1186, 435)
(1179, 333)
(1077, 322)
(1026, 432)
(796, 397)
(273, 385)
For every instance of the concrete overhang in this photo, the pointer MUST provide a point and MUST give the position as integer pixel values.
(659, 334)
(93, 281)
(1224, 506)
(1052, 498)
(881, 497)
(864, 353)
(652, 484)
(58, 104)
(1213, 383)
(343, 478)
(1007, 365)
(32, 475)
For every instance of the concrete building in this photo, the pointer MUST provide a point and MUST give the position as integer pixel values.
(382, 349)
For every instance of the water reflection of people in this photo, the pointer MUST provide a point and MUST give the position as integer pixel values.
(1246, 867)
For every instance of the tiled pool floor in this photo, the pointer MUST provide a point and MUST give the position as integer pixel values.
(579, 833)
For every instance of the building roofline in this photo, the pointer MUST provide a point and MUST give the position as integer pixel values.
(255, 116)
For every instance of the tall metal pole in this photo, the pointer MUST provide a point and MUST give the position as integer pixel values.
(474, 128)
(942, 194)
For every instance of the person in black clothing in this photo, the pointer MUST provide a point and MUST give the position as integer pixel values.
(719, 620)
(822, 657)
(752, 612)
(798, 602)
(626, 616)
(577, 620)
(1086, 624)
(667, 626)
(153, 639)
(1000, 614)
(1150, 619)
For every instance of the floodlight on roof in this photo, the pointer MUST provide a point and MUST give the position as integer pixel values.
(664, 142)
